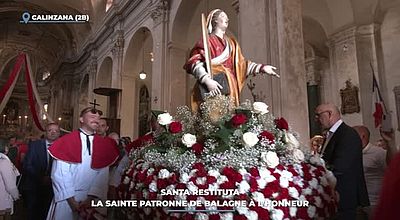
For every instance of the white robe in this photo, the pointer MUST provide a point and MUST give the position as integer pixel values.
(76, 180)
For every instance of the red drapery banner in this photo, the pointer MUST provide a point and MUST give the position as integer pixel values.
(22, 59)
(32, 102)
(13, 75)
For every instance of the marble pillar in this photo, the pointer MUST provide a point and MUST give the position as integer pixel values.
(160, 87)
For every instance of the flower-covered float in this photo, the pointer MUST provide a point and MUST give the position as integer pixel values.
(251, 162)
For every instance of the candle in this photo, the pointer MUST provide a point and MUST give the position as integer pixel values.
(26, 120)
(4, 119)
(19, 120)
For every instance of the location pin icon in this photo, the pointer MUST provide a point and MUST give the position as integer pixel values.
(25, 17)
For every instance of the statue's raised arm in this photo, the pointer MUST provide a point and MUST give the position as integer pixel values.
(226, 58)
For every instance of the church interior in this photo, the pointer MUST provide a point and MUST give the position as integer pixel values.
(128, 59)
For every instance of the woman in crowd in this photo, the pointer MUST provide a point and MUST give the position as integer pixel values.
(8, 188)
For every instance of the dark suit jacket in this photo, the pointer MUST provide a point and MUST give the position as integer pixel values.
(343, 155)
(35, 164)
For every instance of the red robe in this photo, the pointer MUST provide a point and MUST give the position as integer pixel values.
(68, 148)
(389, 200)
(235, 67)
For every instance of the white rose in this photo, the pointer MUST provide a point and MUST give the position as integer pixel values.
(226, 216)
(331, 178)
(283, 182)
(242, 210)
(184, 178)
(150, 171)
(250, 139)
(313, 183)
(260, 108)
(201, 180)
(270, 158)
(191, 187)
(277, 214)
(126, 180)
(153, 186)
(188, 139)
(201, 216)
(311, 211)
(164, 119)
(293, 192)
(163, 174)
(263, 172)
(221, 179)
(298, 155)
(252, 215)
(258, 197)
(292, 211)
(317, 160)
(244, 187)
(213, 173)
(291, 140)
(261, 183)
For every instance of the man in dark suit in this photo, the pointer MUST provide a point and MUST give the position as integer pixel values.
(37, 167)
(342, 152)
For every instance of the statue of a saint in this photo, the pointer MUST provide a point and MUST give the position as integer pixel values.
(226, 57)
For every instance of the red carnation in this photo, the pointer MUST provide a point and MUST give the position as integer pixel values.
(238, 120)
(197, 148)
(141, 176)
(253, 184)
(211, 179)
(239, 217)
(302, 213)
(267, 135)
(254, 172)
(198, 166)
(282, 124)
(175, 127)
(214, 217)
(261, 212)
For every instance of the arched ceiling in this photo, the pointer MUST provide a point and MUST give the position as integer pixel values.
(49, 45)
(337, 15)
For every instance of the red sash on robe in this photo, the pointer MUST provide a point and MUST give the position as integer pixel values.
(68, 148)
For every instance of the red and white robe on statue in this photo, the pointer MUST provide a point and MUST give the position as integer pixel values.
(77, 174)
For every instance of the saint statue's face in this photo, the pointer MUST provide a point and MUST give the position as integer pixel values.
(222, 21)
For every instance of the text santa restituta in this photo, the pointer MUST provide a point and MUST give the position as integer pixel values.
(53, 18)
(200, 192)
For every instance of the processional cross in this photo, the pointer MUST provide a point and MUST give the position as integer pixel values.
(94, 104)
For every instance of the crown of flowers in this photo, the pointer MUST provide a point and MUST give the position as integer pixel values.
(220, 135)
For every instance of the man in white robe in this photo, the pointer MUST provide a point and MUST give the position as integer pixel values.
(81, 168)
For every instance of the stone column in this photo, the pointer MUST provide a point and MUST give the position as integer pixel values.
(117, 52)
(343, 61)
(129, 108)
(75, 100)
(92, 77)
(160, 85)
(369, 61)
(179, 79)
(355, 54)
(272, 34)
(118, 58)
(313, 73)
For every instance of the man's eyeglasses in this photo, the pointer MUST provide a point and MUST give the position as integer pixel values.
(91, 110)
(317, 115)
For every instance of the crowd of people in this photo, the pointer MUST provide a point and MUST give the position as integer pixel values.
(358, 165)
(58, 176)
(62, 175)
